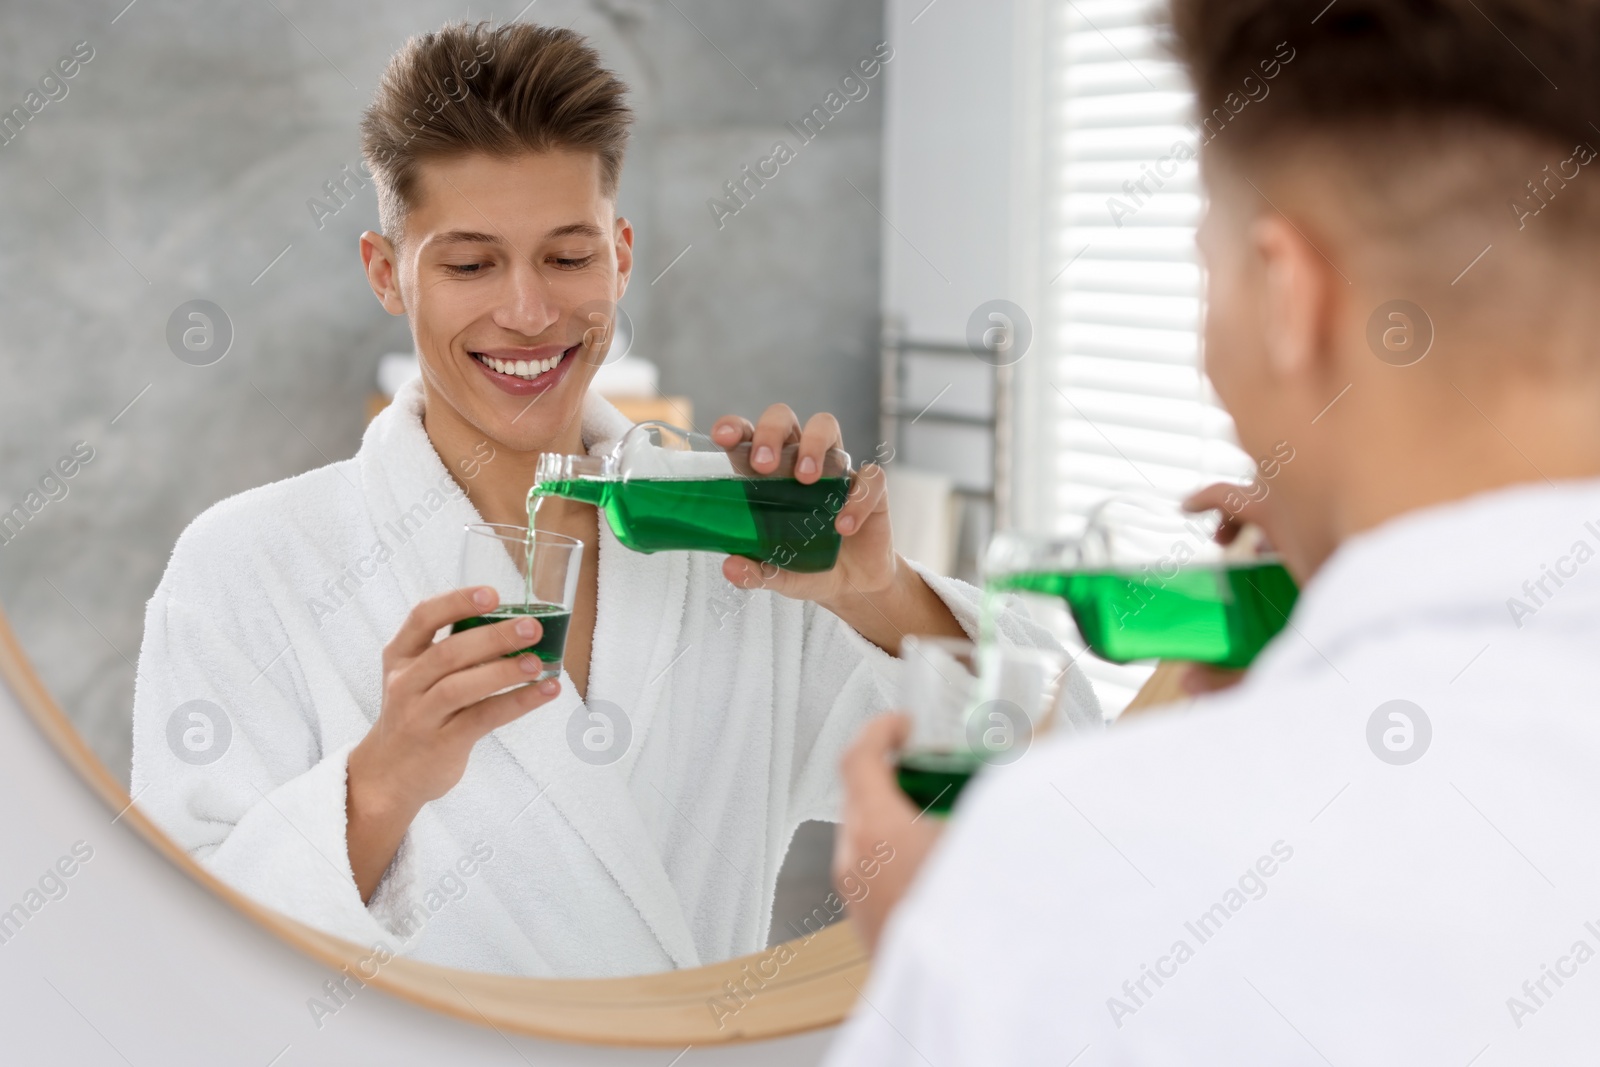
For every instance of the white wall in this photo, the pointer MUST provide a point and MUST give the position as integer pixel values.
(961, 179)
(957, 162)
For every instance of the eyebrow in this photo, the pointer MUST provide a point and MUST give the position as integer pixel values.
(571, 229)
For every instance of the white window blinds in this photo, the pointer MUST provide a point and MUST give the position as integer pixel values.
(1127, 406)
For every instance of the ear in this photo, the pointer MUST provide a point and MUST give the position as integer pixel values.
(624, 242)
(1297, 296)
(383, 274)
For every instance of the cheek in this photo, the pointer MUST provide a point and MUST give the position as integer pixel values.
(442, 312)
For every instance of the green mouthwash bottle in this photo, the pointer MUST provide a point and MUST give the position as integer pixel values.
(664, 489)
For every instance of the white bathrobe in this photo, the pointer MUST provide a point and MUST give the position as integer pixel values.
(1380, 849)
(275, 608)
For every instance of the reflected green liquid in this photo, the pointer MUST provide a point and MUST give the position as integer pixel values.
(773, 520)
(933, 780)
(1221, 615)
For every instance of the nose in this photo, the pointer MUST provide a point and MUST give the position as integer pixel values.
(526, 307)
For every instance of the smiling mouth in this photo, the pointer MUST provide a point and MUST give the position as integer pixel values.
(525, 369)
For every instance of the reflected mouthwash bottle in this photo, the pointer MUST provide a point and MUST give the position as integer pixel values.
(1146, 580)
(665, 489)
(1222, 613)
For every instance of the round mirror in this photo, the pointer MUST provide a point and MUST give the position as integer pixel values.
(245, 435)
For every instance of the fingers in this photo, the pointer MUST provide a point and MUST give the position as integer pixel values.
(730, 430)
(1201, 678)
(780, 426)
(880, 821)
(869, 492)
(493, 712)
(777, 427)
(464, 688)
(471, 647)
(747, 573)
(477, 645)
(416, 633)
(821, 433)
(1227, 498)
(1214, 495)
(869, 780)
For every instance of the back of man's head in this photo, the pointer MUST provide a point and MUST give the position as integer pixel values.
(1405, 216)
(1530, 65)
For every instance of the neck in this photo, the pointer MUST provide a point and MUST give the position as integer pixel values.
(495, 477)
(1507, 434)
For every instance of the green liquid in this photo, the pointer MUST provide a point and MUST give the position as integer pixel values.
(773, 520)
(1217, 615)
(933, 780)
(554, 618)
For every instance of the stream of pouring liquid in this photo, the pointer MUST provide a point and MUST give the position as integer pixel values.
(527, 564)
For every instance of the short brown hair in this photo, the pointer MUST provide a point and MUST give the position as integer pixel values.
(1372, 62)
(498, 90)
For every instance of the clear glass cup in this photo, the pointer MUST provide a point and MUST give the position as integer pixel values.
(1147, 580)
(970, 705)
(535, 576)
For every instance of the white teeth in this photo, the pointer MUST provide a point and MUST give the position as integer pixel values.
(521, 368)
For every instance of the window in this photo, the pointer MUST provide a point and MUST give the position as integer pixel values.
(1126, 406)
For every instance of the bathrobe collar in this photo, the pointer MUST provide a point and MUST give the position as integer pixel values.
(418, 509)
(1469, 560)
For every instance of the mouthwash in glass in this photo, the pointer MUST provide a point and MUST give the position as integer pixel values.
(1222, 614)
(553, 618)
(665, 489)
(933, 780)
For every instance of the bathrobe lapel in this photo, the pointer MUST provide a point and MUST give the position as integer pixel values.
(636, 632)
(636, 626)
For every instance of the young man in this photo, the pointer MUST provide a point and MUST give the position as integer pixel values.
(386, 786)
(1378, 847)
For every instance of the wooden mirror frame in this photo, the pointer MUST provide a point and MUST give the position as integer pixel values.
(813, 989)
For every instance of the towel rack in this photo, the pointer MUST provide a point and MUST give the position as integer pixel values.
(988, 506)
